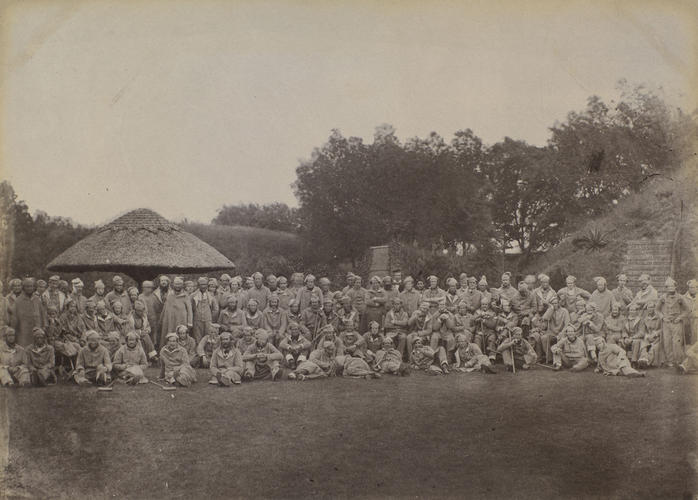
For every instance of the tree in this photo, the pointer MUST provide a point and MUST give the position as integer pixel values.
(276, 216)
(427, 191)
(530, 206)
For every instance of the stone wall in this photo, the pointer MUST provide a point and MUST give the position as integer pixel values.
(648, 256)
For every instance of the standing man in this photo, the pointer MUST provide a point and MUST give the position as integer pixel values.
(153, 309)
(602, 297)
(259, 292)
(100, 292)
(409, 296)
(674, 308)
(544, 293)
(568, 295)
(622, 294)
(308, 291)
(118, 293)
(77, 296)
(27, 314)
(176, 311)
(204, 308)
(645, 294)
(471, 295)
(53, 296)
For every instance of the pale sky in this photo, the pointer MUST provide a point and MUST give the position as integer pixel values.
(184, 106)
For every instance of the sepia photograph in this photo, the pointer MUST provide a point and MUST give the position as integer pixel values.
(332, 249)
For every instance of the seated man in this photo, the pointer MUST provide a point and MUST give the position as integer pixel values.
(441, 326)
(94, 363)
(321, 363)
(570, 351)
(373, 339)
(420, 327)
(613, 330)
(353, 343)
(329, 333)
(613, 360)
(591, 323)
(261, 359)
(633, 333)
(207, 345)
(651, 352)
(13, 362)
(486, 321)
(463, 322)
(469, 357)
(112, 343)
(275, 320)
(246, 339)
(395, 325)
(130, 361)
(389, 360)
(226, 362)
(175, 366)
(517, 348)
(188, 344)
(556, 318)
(295, 348)
(423, 357)
(41, 360)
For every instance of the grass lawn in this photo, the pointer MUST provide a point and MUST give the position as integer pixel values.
(531, 435)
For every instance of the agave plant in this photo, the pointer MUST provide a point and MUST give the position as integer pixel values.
(593, 240)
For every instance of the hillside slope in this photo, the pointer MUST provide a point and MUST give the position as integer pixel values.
(652, 214)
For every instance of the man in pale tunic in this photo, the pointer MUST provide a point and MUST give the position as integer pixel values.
(41, 360)
(622, 294)
(175, 366)
(204, 308)
(118, 294)
(674, 308)
(94, 363)
(226, 363)
(602, 297)
(613, 360)
(645, 294)
(13, 362)
(570, 352)
(176, 311)
(52, 295)
(130, 361)
(27, 313)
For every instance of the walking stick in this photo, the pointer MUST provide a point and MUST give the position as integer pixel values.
(107, 388)
(163, 387)
(511, 351)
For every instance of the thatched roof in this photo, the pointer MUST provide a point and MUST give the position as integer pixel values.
(141, 242)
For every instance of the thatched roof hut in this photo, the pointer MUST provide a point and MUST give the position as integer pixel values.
(141, 244)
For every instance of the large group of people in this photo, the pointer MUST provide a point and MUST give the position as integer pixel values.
(244, 329)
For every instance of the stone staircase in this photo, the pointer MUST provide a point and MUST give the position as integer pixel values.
(648, 256)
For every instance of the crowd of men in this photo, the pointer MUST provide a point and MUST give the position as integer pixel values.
(267, 328)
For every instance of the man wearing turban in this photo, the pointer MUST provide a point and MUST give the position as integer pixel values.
(27, 313)
(93, 364)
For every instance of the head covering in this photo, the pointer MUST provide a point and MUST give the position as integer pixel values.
(55, 277)
(164, 278)
(38, 332)
(599, 280)
(387, 340)
(506, 274)
(516, 330)
(327, 300)
(670, 282)
(148, 284)
(483, 281)
(692, 283)
(261, 335)
(324, 281)
(543, 277)
(131, 335)
(171, 335)
(28, 281)
(408, 278)
(226, 335)
(622, 276)
(178, 279)
(644, 277)
(92, 335)
(251, 301)
(117, 279)
(387, 280)
(225, 276)
(451, 282)
(461, 338)
(308, 277)
(203, 280)
(327, 344)
(40, 282)
(570, 278)
(132, 288)
(99, 283)
(76, 281)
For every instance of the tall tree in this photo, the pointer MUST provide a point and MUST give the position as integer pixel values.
(276, 216)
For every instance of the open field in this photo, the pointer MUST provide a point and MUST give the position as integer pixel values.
(531, 435)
